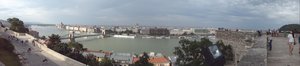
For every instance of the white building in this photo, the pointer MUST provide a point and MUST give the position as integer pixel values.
(76, 28)
(181, 31)
(91, 30)
(120, 29)
(83, 29)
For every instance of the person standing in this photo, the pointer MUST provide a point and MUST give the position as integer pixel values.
(291, 42)
(299, 42)
(270, 43)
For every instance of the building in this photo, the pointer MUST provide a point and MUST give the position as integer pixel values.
(61, 26)
(144, 31)
(159, 61)
(75, 28)
(135, 30)
(83, 29)
(181, 31)
(156, 61)
(122, 59)
(159, 31)
(70, 27)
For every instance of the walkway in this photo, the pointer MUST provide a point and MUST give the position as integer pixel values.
(33, 58)
(279, 55)
(36, 56)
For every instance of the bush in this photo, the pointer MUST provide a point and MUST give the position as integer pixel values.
(190, 53)
(17, 25)
(226, 50)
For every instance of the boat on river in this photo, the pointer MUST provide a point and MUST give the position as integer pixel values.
(123, 36)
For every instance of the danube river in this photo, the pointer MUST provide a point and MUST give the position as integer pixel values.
(120, 45)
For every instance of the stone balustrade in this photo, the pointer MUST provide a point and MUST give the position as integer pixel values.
(238, 40)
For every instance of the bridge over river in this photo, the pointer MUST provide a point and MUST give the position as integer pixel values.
(75, 35)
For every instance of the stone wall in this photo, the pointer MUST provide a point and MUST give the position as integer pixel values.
(240, 41)
(234, 35)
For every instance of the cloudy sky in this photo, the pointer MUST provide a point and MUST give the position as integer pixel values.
(253, 14)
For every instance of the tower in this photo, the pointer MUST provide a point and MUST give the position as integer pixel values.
(71, 36)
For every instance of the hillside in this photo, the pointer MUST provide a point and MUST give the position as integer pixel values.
(290, 27)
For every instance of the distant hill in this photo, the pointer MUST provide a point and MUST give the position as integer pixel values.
(5, 23)
(290, 27)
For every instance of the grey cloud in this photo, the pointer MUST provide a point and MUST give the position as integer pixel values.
(252, 14)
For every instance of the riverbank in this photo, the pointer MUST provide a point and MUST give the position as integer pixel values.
(7, 56)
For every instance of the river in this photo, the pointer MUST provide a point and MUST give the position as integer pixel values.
(120, 45)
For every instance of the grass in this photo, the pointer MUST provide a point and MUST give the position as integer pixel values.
(8, 57)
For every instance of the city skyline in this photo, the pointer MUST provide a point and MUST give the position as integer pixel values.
(248, 14)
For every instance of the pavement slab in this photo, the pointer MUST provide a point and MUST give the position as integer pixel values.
(279, 56)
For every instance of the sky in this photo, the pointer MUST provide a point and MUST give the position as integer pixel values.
(247, 14)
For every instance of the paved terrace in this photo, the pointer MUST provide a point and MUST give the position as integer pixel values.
(279, 56)
(36, 56)
(258, 55)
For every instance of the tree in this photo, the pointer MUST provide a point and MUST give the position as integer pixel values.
(17, 25)
(62, 48)
(184, 34)
(190, 52)
(226, 50)
(290, 27)
(143, 60)
(53, 40)
(43, 38)
(77, 56)
(75, 46)
(91, 60)
(192, 33)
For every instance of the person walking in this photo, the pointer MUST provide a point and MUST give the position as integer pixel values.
(29, 50)
(291, 43)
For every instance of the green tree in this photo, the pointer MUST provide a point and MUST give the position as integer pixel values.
(43, 37)
(91, 60)
(76, 47)
(17, 25)
(77, 56)
(226, 50)
(62, 48)
(190, 52)
(143, 60)
(54, 39)
(184, 34)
